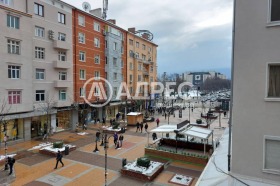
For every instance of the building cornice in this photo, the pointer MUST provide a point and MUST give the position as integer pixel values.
(15, 11)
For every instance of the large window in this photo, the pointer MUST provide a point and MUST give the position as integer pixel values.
(96, 26)
(14, 97)
(115, 76)
(82, 38)
(61, 18)
(139, 78)
(96, 42)
(130, 66)
(274, 10)
(97, 59)
(82, 92)
(61, 36)
(130, 42)
(62, 56)
(6, 2)
(139, 67)
(62, 95)
(274, 81)
(143, 47)
(63, 76)
(13, 21)
(13, 46)
(272, 154)
(82, 74)
(40, 74)
(82, 56)
(97, 74)
(137, 44)
(39, 53)
(39, 9)
(81, 20)
(115, 46)
(115, 61)
(39, 31)
(40, 95)
(13, 72)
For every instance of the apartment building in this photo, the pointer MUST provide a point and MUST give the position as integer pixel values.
(256, 91)
(37, 71)
(197, 78)
(99, 51)
(141, 61)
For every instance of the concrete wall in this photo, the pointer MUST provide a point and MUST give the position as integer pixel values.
(253, 116)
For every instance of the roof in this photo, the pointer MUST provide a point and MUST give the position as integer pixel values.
(165, 129)
(134, 113)
(198, 132)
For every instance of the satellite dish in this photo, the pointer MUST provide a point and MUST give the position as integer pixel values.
(86, 6)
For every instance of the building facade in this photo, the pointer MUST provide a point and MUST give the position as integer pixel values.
(256, 95)
(197, 78)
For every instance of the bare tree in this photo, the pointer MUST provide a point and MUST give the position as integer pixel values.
(214, 84)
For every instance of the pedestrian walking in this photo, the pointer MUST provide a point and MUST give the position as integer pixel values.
(165, 115)
(45, 134)
(154, 135)
(103, 120)
(97, 135)
(117, 144)
(85, 127)
(121, 140)
(11, 162)
(137, 126)
(157, 122)
(115, 139)
(225, 113)
(59, 159)
(141, 126)
(77, 127)
(146, 127)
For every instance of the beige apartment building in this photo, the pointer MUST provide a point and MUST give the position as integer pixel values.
(256, 92)
(36, 66)
(141, 61)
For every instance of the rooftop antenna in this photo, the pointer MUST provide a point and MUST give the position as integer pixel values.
(86, 6)
(105, 8)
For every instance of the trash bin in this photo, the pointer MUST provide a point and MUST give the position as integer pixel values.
(123, 162)
(66, 151)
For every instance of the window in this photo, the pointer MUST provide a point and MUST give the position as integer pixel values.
(61, 18)
(40, 74)
(62, 56)
(137, 44)
(274, 81)
(131, 53)
(139, 67)
(115, 91)
(82, 56)
(39, 31)
(96, 26)
(82, 74)
(106, 44)
(149, 49)
(143, 57)
(13, 46)
(151, 79)
(81, 20)
(12, 21)
(131, 66)
(130, 42)
(137, 55)
(62, 76)
(13, 72)
(115, 46)
(139, 78)
(274, 10)
(271, 154)
(6, 2)
(61, 36)
(40, 95)
(143, 47)
(114, 61)
(82, 38)
(97, 59)
(115, 76)
(106, 60)
(152, 69)
(131, 90)
(82, 92)
(62, 95)
(122, 49)
(122, 63)
(96, 42)
(14, 97)
(39, 9)
(96, 91)
(130, 77)
(96, 74)
(39, 53)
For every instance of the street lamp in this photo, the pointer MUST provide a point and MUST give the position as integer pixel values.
(189, 112)
(106, 142)
(176, 132)
(96, 149)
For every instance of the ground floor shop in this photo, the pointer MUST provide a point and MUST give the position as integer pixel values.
(13, 129)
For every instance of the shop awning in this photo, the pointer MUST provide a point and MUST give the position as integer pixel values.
(198, 132)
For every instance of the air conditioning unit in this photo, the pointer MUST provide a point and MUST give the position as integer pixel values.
(51, 34)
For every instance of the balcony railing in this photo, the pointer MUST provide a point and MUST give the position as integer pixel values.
(62, 84)
(61, 45)
(62, 64)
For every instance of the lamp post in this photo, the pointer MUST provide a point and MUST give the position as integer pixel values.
(189, 112)
(106, 142)
(176, 132)
(96, 149)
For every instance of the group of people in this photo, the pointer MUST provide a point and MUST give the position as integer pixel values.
(118, 140)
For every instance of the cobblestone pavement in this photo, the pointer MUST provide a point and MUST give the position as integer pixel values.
(84, 167)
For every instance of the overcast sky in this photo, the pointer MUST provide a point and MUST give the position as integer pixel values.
(193, 35)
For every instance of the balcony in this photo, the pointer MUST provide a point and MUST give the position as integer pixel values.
(145, 73)
(61, 45)
(62, 64)
(63, 84)
(60, 103)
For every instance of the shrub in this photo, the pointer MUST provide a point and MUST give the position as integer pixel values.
(115, 125)
(144, 162)
(199, 121)
(58, 144)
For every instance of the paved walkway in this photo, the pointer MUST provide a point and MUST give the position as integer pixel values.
(84, 167)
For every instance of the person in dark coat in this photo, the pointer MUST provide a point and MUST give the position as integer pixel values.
(137, 126)
(141, 126)
(121, 140)
(59, 159)
(146, 127)
(154, 135)
(97, 135)
(11, 162)
(115, 139)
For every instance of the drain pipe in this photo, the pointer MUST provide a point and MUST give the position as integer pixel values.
(232, 78)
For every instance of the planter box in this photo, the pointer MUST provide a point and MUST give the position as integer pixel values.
(141, 176)
(50, 153)
(173, 156)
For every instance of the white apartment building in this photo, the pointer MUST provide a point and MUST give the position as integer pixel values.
(36, 66)
(197, 78)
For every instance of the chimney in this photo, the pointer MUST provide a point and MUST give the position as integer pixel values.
(145, 36)
(96, 12)
(112, 21)
(131, 30)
